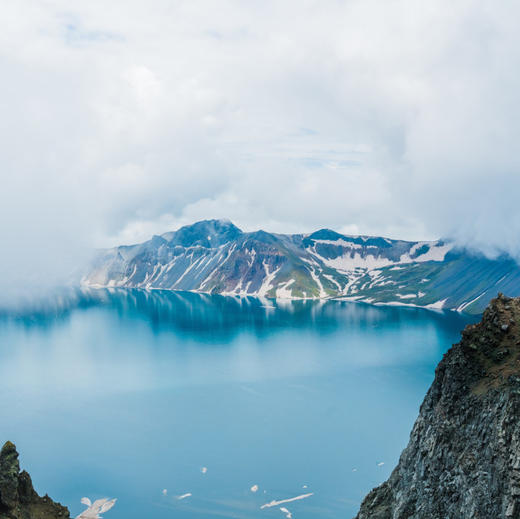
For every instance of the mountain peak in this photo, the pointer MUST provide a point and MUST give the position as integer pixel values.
(205, 233)
(325, 234)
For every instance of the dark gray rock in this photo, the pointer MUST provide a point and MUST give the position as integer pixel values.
(463, 458)
(18, 499)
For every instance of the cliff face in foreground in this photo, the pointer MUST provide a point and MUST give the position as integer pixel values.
(463, 458)
(18, 499)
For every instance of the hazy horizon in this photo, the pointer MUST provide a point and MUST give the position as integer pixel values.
(128, 120)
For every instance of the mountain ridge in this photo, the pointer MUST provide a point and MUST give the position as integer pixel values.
(215, 256)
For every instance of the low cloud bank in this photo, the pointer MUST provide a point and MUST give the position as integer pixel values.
(124, 121)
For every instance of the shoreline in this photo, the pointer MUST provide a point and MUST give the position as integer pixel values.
(434, 307)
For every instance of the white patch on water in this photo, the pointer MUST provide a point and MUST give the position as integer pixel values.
(283, 501)
(96, 508)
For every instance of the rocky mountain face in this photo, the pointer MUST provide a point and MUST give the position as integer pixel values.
(18, 499)
(463, 458)
(215, 256)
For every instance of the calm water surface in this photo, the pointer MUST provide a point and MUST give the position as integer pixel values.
(129, 394)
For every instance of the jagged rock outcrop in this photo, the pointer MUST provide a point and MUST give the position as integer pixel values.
(463, 458)
(18, 499)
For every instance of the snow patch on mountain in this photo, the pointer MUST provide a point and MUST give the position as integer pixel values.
(350, 262)
(283, 292)
(435, 252)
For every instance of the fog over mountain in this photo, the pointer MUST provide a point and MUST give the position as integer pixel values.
(128, 119)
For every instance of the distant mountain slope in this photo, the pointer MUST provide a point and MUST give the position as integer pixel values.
(215, 256)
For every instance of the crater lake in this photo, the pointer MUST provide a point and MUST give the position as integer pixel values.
(190, 406)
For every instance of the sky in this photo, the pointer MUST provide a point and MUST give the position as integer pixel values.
(126, 118)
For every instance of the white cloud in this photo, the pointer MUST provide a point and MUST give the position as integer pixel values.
(123, 118)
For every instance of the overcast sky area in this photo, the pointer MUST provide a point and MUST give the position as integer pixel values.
(124, 119)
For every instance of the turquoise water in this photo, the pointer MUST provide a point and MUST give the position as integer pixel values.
(128, 393)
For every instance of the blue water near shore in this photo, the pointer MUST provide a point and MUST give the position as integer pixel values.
(128, 394)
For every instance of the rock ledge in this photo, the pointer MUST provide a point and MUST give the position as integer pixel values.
(18, 499)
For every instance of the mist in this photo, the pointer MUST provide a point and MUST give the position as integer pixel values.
(127, 119)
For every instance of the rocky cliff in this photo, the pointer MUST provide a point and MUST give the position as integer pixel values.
(463, 458)
(18, 499)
